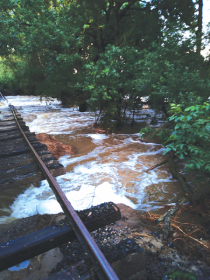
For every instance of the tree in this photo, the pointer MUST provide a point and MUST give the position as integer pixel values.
(43, 35)
(51, 41)
(114, 83)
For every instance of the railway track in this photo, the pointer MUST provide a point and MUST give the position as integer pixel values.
(18, 166)
(25, 160)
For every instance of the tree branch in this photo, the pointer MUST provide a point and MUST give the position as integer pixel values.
(178, 177)
(157, 165)
(122, 12)
(166, 218)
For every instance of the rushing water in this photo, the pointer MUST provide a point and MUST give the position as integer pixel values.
(106, 167)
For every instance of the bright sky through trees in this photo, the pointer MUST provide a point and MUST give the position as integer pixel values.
(206, 12)
(206, 20)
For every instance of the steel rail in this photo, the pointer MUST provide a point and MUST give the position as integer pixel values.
(3, 97)
(100, 264)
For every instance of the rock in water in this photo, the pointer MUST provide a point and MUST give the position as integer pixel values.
(83, 107)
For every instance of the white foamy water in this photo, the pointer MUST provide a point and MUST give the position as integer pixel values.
(112, 169)
(49, 116)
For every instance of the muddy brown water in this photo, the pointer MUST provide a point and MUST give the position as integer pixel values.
(105, 167)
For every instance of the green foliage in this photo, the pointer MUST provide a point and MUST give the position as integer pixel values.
(172, 73)
(190, 139)
(13, 73)
(187, 135)
(167, 71)
(43, 38)
(178, 275)
(114, 82)
(53, 38)
(160, 134)
(180, 87)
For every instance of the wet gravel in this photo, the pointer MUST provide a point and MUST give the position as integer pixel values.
(117, 244)
(108, 240)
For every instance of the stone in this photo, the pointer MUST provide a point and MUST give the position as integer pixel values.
(131, 218)
(130, 266)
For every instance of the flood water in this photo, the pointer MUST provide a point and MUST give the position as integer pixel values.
(105, 168)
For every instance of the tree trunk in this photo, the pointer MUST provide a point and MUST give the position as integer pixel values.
(200, 23)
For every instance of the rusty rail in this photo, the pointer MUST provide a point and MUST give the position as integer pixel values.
(3, 97)
(100, 265)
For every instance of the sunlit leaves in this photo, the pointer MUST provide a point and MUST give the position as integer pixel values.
(191, 138)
